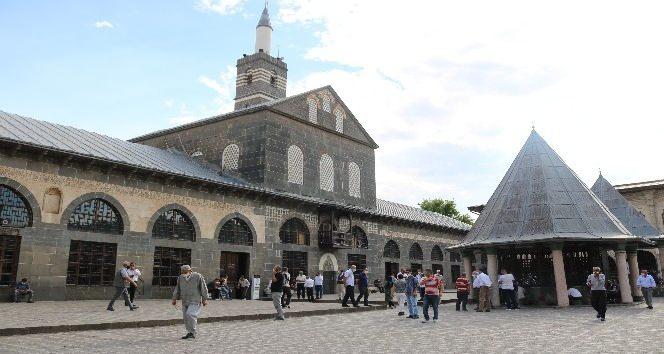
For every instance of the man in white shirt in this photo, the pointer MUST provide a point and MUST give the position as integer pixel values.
(349, 280)
(318, 283)
(309, 287)
(647, 284)
(485, 291)
(506, 288)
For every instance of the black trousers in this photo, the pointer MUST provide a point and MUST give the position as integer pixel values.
(300, 290)
(598, 300)
(286, 296)
(507, 296)
(363, 292)
(310, 294)
(462, 299)
(132, 292)
(350, 294)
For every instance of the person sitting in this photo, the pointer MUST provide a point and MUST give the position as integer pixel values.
(23, 289)
(215, 289)
(379, 285)
(574, 296)
(225, 290)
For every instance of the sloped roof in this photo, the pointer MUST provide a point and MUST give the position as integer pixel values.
(54, 137)
(264, 105)
(635, 222)
(265, 19)
(541, 198)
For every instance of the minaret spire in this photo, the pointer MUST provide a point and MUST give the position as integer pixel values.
(264, 32)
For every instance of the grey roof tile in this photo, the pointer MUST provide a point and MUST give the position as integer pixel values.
(623, 210)
(540, 198)
(41, 134)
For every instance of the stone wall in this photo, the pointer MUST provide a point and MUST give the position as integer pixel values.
(650, 202)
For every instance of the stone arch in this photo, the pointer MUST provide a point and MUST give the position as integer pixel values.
(391, 250)
(66, 213)
(326, 102)
(230, 157)
(415, 253)
(436, 254)
(328, 263)
(295, 165)
(179, 207)
(312, 109)
(339, 117)
(240, 216)
(294, 225)
(326, 173)
(646, 260)
(354, 180)
(359, 237)
(31, 202)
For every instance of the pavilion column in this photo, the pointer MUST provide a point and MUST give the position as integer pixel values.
(634, 273)
(492, 270)
(623, 277)
(468, 269)
(559, 274)
(478, 258)
(660, 249)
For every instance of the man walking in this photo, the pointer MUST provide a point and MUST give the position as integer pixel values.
(341, 285)
(462, 286)
(412, 288)
(120, 282)
(432, 285)
(276, 289)
(597, 284)
(192, 290)
(363, 284)
(647, 284)
(349, 281)
(286, 296)
(485, 291)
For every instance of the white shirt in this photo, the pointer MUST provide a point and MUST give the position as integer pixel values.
(646, 282)
(300, 279)
(309, 283)
(484, 280)
(318, 280)
(134, 274)
(350, 277)
(506, 281)
(574, 292)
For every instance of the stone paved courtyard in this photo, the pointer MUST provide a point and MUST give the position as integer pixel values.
(627, 329)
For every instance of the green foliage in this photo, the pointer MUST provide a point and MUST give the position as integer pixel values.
(447, 208)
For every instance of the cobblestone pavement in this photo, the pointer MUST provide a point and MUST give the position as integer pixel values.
(94, 311)
(627, 329)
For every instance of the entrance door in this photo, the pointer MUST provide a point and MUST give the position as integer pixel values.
(391, 268)
(329, 282)
(456, 272)
(437, 267)
(233, 265)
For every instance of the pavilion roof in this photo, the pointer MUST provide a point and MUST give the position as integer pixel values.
(635, 222)
(541, 199)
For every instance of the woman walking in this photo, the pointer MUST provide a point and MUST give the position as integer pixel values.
(276, 289)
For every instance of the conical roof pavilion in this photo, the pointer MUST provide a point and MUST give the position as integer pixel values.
(542, 199)
(635, 222)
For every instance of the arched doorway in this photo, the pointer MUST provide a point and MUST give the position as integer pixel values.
(329, 267)
(647, 261)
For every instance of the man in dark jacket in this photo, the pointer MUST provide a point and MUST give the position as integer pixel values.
(363, 284)
(23, 289)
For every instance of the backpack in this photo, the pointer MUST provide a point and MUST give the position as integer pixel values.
(340, 278)
(286, 279)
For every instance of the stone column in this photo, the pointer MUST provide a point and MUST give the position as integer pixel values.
(478, 261)
(623, 277)
(559, 274)
(492, 271)
(478, 258)
(468, 269)
(634, 273)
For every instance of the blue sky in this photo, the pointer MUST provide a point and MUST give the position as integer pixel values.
(449, 90)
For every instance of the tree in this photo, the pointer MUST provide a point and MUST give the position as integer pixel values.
(447, 208)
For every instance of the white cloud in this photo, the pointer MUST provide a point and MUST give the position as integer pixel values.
(224, 86)
(168, 103)
(222, 7)
(104, 24)
(476, 75)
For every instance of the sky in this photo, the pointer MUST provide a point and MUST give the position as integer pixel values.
(449, 90)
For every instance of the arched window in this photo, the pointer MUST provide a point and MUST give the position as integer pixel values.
(354, 180)
(339, 115)
(230, 157)
(236, 231)
(295, 165)
(327, 104)
(96, 215)
(391, 250)
(14, 210)
(436, 254)
(313, 109)
(174, 224)
(294, 231)
(326, 170)
(415, 252)
(359, 237)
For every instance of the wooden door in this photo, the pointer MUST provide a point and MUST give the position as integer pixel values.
(229, 266)
(329, 282)
(10, 246)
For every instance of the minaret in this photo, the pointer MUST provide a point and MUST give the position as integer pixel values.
(264, 32)
(260, 76)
